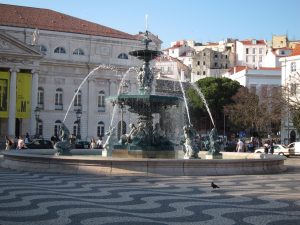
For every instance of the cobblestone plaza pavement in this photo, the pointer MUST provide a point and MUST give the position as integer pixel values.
(32, 198)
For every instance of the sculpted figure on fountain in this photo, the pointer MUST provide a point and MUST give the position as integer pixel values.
(191, 149)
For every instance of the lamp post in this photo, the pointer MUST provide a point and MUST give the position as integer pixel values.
(122, 117)
(124, 90)
(37, 117)
(78, 116)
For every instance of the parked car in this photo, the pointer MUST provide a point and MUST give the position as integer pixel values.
(294, 148)
(278, 149)
(39, 144)
(82, 144)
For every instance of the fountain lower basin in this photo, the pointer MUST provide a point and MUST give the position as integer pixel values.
(237, 164)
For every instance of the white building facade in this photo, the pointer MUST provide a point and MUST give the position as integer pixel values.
(291, 81)
(54, 55)
(250, 53)
(257, 80)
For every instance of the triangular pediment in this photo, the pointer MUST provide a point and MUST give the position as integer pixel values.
(13, 47)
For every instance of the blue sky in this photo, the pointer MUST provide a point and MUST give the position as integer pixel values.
(199, 20)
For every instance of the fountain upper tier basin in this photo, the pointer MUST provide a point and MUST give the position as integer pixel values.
(140, 103)
(145, 54)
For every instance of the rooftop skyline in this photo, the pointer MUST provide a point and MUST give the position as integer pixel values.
(201, 21)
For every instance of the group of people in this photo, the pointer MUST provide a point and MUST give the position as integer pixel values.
(96, 144)
(18, 143)
(268, 145)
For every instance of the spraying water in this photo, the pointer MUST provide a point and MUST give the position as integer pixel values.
(185, 102)
(195, 86)
(119, 90)
(84, 80)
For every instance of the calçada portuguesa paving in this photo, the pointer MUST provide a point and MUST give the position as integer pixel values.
(32, 198)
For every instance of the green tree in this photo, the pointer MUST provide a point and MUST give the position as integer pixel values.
(218, 92)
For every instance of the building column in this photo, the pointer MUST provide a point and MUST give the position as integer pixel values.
(34, 96)
(12, 102)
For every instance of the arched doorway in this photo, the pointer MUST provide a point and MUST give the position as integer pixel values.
(292, 136)
(17, 128)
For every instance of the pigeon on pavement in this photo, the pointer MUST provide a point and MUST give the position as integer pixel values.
(214, 185)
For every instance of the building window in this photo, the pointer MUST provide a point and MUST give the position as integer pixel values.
(216, 64)
(293, 66)
(226, 66)
(198, 63)
(253, 50)
(216, 56)
(260, 50)
(100, 129)
(203, 63)
(77, 100)
(40, 100)
(78, 51)
(101, 101)
(76, 129)
(253, 58)
(247, 59)
(60, 50)
(42, 48)
(247, 50)
(204, 54)
(198, 73)
(57, 127)
(59, 99)
(123, 56)
(260, 58)
(203, 73)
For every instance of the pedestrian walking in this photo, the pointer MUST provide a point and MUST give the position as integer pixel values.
(240, 146)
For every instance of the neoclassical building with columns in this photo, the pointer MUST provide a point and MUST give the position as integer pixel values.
(44, 58)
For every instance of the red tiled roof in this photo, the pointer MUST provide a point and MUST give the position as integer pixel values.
(45, 19)
(237, 69)
(296, 50)
(282, 48)
(269, 68)
(211, 43)
(249, 42)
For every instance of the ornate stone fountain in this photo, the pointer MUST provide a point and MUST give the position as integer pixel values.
(144, 140)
